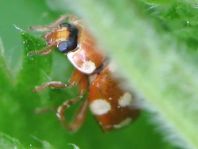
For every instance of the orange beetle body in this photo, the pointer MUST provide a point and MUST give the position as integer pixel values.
(112, 106)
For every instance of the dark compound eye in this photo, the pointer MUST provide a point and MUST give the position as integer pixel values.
(66, 46)
(63, 46)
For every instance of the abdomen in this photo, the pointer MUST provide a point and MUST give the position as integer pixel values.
(112, 106)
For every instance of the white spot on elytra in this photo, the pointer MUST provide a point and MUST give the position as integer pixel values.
(125, 100)
(100, 106)
(123, 123)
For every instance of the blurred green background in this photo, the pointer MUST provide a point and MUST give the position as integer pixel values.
(19, 125)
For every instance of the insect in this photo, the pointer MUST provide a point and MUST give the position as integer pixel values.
(112, 106)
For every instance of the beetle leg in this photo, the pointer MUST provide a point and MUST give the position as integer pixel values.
(60, 20)
(81, 80)
(77, 78)
(79, 117)
(45, 51)
(51, 84)
(45, 28)
(40, 28)
(55, 24)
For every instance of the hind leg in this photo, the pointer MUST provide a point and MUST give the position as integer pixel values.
(80, 115)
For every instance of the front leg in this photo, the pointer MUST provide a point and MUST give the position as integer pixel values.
(45, 51)
(77, 78)
(51, 84)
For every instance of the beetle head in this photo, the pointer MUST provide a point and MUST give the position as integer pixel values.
(65, 37)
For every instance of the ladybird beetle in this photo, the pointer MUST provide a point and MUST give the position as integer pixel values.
(112, 106)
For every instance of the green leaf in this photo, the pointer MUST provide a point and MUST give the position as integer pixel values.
(36, 65)
(9, 142)
(4, 72)
(19, 74)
